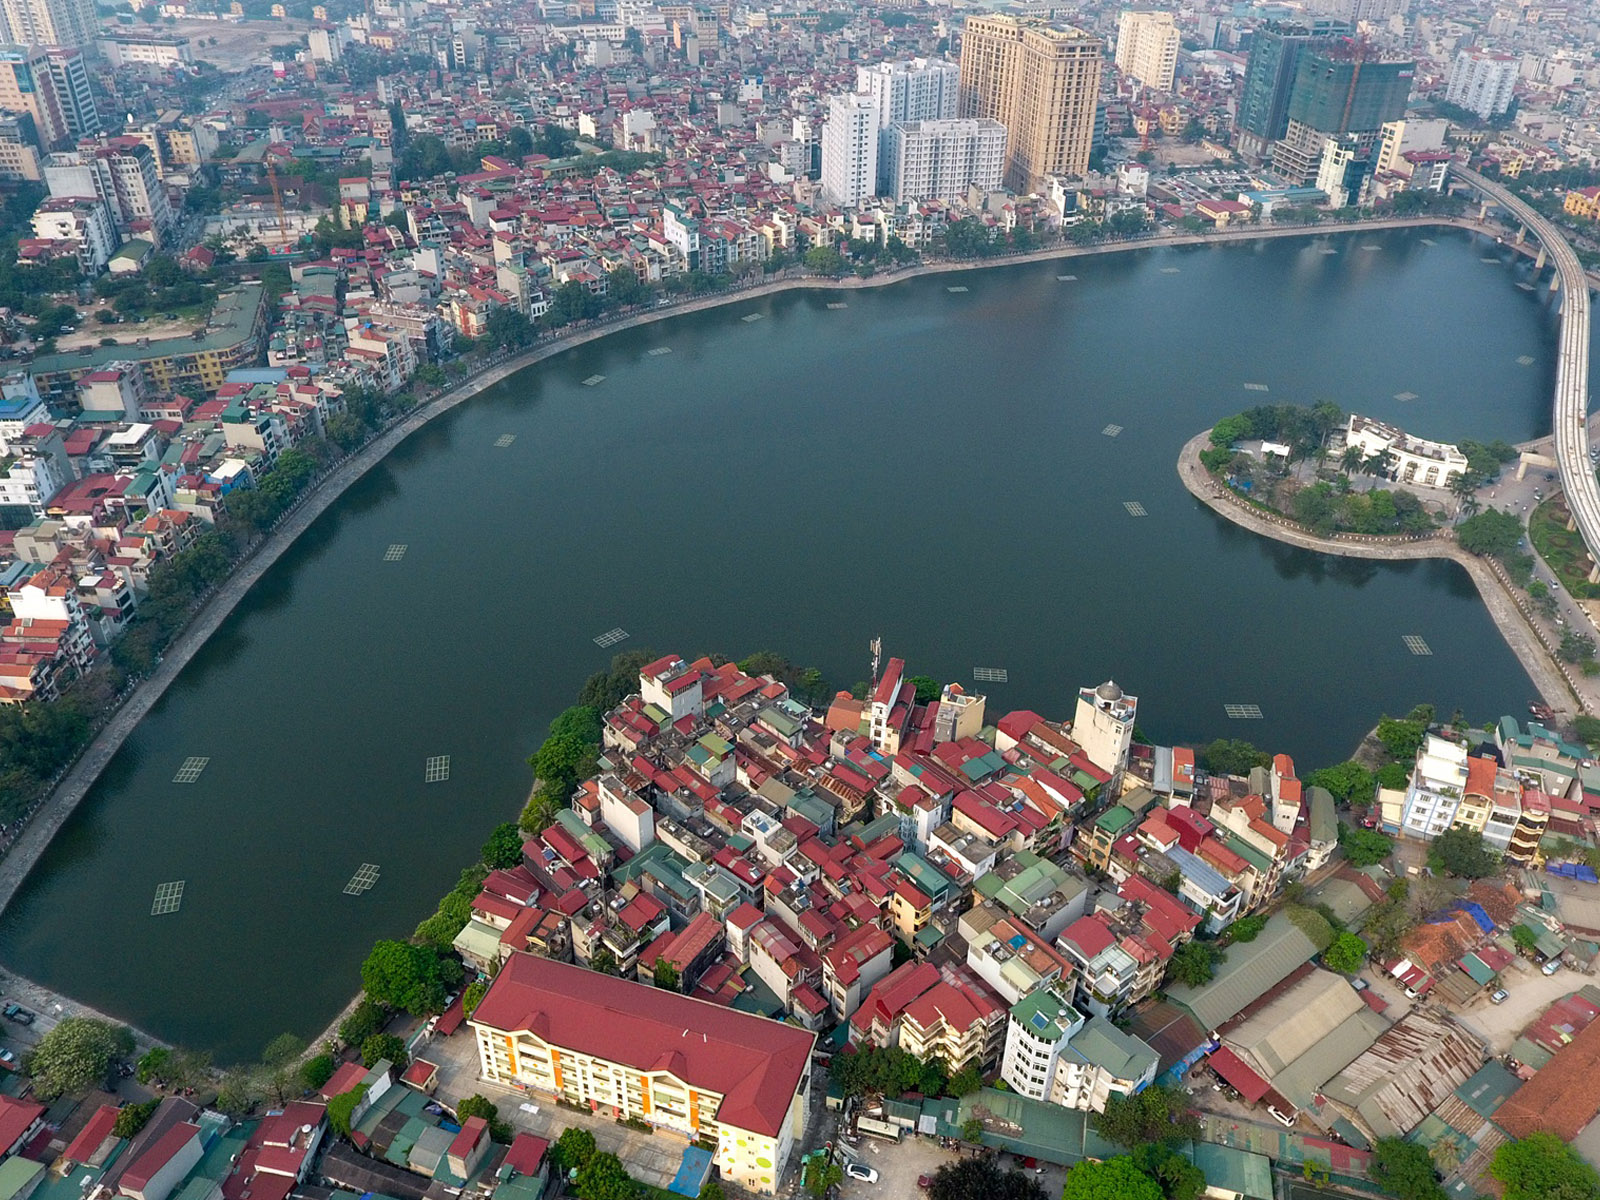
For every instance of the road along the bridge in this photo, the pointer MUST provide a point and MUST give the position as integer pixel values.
(1569, 421)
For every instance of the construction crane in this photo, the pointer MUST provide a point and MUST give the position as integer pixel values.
(277, 202)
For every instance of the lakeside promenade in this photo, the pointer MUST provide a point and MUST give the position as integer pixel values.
(56, 808)
(1559, 685)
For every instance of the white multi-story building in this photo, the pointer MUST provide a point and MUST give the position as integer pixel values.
(937, 160)
(70, 76)
(850, 149)
(124, 175)
(1398, 138)
(1054, 1054)
(1436, 788)
(1482, 83)
(1147, 48)
(84, 222)
(1410, 459)
(918, 89)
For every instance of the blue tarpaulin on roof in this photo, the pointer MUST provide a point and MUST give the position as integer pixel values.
(1475, 911)
(1579, 871)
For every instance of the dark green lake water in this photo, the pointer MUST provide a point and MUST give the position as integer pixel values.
(922, 465)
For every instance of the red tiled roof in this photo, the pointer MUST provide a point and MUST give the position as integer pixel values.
(139, 1174)
(15, 1117)
(755, 1064)
(1237, 1073)
(89, 1138)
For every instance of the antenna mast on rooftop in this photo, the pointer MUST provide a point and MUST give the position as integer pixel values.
(876, 646)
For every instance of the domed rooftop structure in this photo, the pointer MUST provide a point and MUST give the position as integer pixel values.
(1108, 691)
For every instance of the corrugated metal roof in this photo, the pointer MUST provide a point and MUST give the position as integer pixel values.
(1247, 972)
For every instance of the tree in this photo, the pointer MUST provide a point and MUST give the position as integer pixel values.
(1461, 853)
(503, 850)
(239, 1092)
(964, 1082)
(1363, 847)
(364, 1020)
(1114, 1179)
(928, 689)
(824, 260)
(1345, 955)
(972, 1131)
(1402, 736)
(603, 1178)
(1179, 1178)
(711, 1189)
(76, 1055)
(283, 1050)
(132, 1117)
(1230, 756)
(574, 1148)
(820, 1174)
(1156, 1116)
(1524, 938)
(666, 976)
(1542, 1167)
(603, 961)
(1586, 729)
(413, 978)
(342, 1108)
(481, 1106)
(1193, 963)
(981, 1178)
(1405, 1169)
(316, 1071)
(1349, 782)
(385, 1046)
(1490, 532)
(473, 996)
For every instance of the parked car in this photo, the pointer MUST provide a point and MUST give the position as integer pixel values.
(15, 1012)
(862, 1172)
(1551, 967)
(1498, 996)
(9, 1061)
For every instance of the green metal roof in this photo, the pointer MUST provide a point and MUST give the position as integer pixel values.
(232, 321)
(1232, 1170)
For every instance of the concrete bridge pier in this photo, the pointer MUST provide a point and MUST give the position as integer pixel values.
(1483, 211)
(1522, 234)
(1555, 282)
(1538, 262)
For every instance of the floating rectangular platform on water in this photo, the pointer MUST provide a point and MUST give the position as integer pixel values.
(1487, 259)
(611, 637)
(436, 769)
(1524, 360)
(1112, 430)
(504, 440)
(1067, 278)
(366, 875)
(1429, 242)
(395, 552)
(750, 317)
(1169, 270)
(658, 351)
(1372, 246)
(1256, 387)
(837, 304)
(1416, 645)
(594, 379)
(169, 898)
(991, 675)
(955, 290)
(190, 770)
(1135, 509)
(1243, 712)
(1403, 397)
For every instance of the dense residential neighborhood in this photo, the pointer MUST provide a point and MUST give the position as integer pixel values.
(752, 935)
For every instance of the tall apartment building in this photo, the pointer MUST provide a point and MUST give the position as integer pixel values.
(918, 89)
(1398, 138)
(1042, 83)
(49, 22)
(1339, 93)
(850, 148)
(70, 76)
(1147, 48)
(1262, 117)
(1482, 83)
(27, 86)
(936, 160)
(122, 172)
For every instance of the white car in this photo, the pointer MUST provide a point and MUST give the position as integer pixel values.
(859, 1171)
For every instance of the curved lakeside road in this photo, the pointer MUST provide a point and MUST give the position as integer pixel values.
(54, 811)
(1557, 684)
